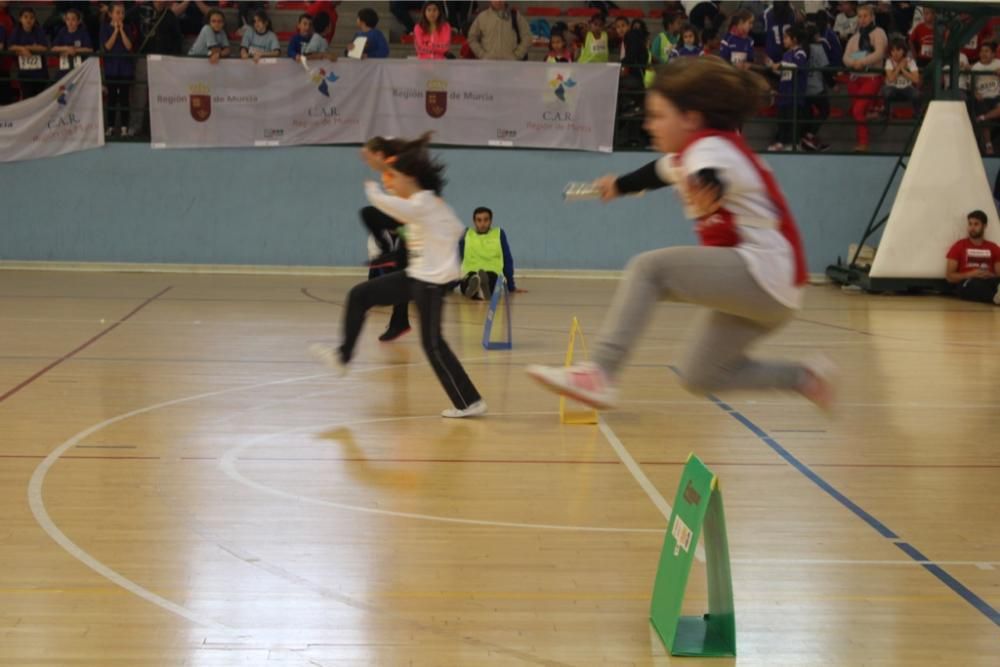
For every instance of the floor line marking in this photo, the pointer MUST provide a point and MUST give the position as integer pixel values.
(658, 500)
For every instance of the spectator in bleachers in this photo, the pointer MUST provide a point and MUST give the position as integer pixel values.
(902, 78)
(6, 62)
(375, 44)
(499, 33)
(986, 85)
(485, 256)
(974, 264)
(866, 50)
(118, 41)
(432, 35)
(922, 38)
(72, 41)
(30, 44)
(595, 43)
(5, 94)
(791, 99)
(401, 10)
(778, 18)
(830, 41)
(260, 41)
(324, 16)
(637, 59)
(817, 88)
(212, 41)
(192, 15)
(305, 43)
(690, 44)
(666, 41)
(737, 47)
(619, 28)
(846, 23)
(559, 51)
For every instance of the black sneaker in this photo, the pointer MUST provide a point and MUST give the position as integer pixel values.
(472, 287)
(392, 334)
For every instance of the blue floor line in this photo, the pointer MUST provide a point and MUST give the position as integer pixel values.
(942, 575)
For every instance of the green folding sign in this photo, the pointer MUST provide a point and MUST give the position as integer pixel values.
(697, 511)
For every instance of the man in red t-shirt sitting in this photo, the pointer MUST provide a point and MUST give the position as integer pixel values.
(974, 264)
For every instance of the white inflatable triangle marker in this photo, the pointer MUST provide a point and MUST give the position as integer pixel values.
(944, 180)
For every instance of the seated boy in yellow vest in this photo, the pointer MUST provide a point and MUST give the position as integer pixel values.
(485, 256)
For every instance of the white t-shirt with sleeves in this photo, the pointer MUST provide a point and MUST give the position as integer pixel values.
(769, 256)
(432, 233)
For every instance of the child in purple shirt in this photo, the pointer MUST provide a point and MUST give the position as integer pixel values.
(30, 44)
(777, 19)
(72, 41)
(792, 78)
(117, 37)
(737, 47)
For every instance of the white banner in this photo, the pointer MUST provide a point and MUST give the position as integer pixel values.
(67, 116)
(278, 102)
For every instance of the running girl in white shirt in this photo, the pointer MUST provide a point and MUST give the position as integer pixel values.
(750, 270)
(432, 234)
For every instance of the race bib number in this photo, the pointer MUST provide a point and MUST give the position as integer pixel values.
(66, 63)
(927, 50)
(29, 62)
(738, 57)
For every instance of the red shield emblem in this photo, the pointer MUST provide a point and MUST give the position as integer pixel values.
(201, 107)
(436, 98)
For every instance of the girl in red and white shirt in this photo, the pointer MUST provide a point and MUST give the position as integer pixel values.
(432, 35)
(750, 270)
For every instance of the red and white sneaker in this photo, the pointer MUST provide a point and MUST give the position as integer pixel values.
(585, 383)
(820, 383)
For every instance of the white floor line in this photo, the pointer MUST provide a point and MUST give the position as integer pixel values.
(640, 477)
(228, 465)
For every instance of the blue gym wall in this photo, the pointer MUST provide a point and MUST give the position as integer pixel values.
(298, 206)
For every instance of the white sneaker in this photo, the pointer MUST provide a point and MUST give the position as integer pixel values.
(474, 410)
(584, 382)
(125, 131)
(330, 356)
(820, 384)
(996, 297)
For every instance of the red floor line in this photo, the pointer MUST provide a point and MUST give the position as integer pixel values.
(83, 346)
(503, 461)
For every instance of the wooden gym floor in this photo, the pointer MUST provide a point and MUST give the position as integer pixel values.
(180, 484)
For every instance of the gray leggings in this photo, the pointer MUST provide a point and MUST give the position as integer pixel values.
(740, 312)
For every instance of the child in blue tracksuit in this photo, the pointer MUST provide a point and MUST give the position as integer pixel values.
(737, 46)
(375, 46)
(791, 87)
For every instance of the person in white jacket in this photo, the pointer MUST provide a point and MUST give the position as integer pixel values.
(415, 181)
